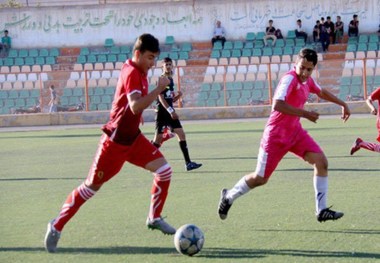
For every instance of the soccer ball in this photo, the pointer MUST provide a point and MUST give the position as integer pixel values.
(189, 239)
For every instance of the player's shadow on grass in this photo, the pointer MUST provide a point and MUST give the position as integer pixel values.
(217, 252)
(96, 250)
(261, 253)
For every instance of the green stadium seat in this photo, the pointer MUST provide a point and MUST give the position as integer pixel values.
(18, 62)
(13, 94)
(29, 61)
(40, 61)
(228, 45)
(226, 53)
(84, 51)
(54, 52)
(280, 42)
(50, 60)
(248, 45)
(246, 52)
(3, 94)
(173, 55)
(67, 92)
(35, 93)
(372, 46)
(215, 54)
(356, 80)
(43, 52)
(362, 47)
(20, 103)
(259, 43)
(300, 42)
(115, 50)
(363, 39)
(183, 55)
(110, 90)
(13, 53)
(8, 62)
(267, 51)
(373, 38)
(106, 99)
(238, 44)
(291, 34)
(186, 47)
(352, 40)
(108, 43)
(288, 50)
(345, 81)
(216, 86)
(81, 59)
(122, 57)
(102, 58)
(248, 85)
(33, 52)
(125, 49)
(217, 45)
(78, 92)
(250, 36)
(236, 53)
(289, 42)
(111, 58)
(351, 48)
(277, 51)
(169, 40)
(256, 52)
(260, 35)
(23, 53)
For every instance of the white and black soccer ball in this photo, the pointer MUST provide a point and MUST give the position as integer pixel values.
(189, 239)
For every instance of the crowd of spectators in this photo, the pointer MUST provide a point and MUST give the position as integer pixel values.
(325, 32)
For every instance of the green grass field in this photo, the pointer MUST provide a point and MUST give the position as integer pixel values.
(274, 223)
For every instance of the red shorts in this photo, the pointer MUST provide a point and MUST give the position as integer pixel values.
(110, 157)
(272, 151)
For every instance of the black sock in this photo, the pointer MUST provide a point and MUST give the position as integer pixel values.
(185, 151)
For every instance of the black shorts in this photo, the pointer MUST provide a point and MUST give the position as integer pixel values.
(163, 120)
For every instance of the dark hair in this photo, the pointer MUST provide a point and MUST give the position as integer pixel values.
(299, 20)
(167, 59)
(328, 17)
(355, 16)
(309, 55)
(270, 21)
(147, 42)
(5, 31)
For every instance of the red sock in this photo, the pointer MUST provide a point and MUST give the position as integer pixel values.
(370, 146)
(72, 204)
(159, 190)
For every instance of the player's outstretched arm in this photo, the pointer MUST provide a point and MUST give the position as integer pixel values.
(327, 95)
(371, 106)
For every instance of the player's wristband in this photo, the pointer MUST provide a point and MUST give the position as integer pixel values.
(170, 110)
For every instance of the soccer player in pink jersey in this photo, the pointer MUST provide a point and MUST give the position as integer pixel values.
(123, 141)
(359, 143)
(283, 133)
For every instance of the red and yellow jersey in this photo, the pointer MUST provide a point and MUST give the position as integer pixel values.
(123, 126)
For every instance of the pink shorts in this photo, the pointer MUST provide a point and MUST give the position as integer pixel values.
(111, 156)
(273, 150)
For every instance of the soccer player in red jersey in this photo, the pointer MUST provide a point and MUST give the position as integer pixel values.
(359, 143)
(284, 133)
(123, 141)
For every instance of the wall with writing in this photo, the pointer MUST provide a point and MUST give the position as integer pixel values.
(91, 25)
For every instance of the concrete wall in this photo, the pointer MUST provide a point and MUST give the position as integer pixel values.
(187, 21)
(69, 118)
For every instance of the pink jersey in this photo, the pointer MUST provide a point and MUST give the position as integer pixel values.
(123, 126)
(375, 95)
(295, 93)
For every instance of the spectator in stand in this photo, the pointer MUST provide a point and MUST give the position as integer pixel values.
(339, 30)
(219, 34)
(324, 35)
(270, 32)
(53, 100)
(353, 27)
(300, 32)
(330, 28)
(316, 31)
(6, 42)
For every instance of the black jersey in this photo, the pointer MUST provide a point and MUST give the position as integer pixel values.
(168, 94)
